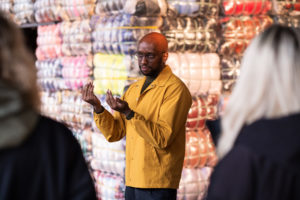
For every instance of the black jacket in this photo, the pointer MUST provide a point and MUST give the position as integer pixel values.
(49, 165)
(264, 163)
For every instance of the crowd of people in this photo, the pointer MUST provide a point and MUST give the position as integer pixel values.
(258, 144)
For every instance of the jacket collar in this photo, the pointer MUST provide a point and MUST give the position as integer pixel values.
(161, 79)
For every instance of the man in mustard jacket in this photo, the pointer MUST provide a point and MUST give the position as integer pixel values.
(152, 115)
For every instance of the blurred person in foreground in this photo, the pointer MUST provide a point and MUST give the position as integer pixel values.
(39, 158)
(260, 138)
(152, 115)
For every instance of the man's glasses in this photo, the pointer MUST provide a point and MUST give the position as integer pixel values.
(148, 56)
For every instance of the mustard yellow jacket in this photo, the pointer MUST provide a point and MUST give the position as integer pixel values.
(155, 136)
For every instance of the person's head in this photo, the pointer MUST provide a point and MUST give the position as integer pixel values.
(152, 54)
(17, 67)
(269, 84)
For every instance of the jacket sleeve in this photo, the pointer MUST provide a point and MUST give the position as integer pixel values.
(111, 126)
(171, 120)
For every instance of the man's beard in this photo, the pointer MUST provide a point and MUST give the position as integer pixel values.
(154, 73)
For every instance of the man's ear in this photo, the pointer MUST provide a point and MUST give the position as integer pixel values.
(165, 57)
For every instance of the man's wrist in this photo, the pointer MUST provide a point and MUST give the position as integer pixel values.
(129, 114)
(98, 109)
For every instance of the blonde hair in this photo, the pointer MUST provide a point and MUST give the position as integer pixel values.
(17, 67)
(269, 84)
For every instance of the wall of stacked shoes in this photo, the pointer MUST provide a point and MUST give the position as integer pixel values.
(93, 40)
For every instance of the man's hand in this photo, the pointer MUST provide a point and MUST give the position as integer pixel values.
(89, 97)
(117, 104)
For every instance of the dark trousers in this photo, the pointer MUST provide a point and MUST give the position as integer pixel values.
(150, 194)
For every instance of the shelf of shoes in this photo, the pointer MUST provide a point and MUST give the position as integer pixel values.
(241, 20)
(287, 12)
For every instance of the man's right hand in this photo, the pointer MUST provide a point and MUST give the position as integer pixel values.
(89, 97)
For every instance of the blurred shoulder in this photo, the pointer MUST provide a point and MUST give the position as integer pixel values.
(50, 124)
(54, 130)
